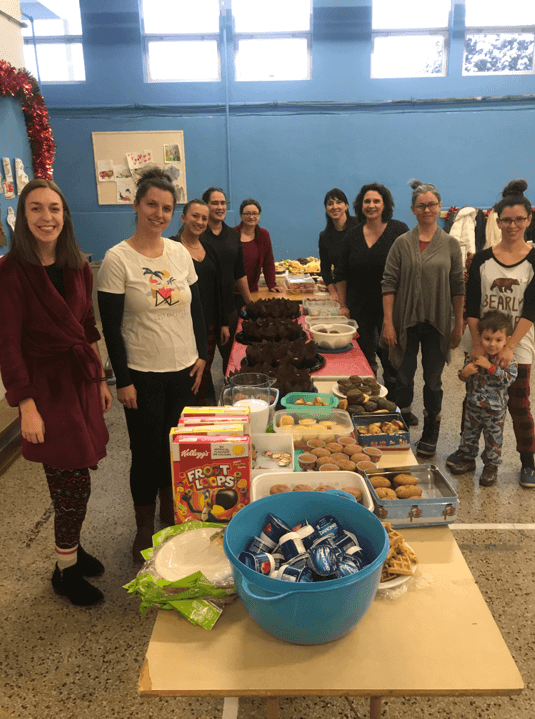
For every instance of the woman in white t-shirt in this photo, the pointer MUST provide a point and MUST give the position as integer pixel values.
(503, 278)
(154, 329)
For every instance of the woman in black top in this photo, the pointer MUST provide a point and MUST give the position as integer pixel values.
(208, 269)
(360, 270)
(330, 243)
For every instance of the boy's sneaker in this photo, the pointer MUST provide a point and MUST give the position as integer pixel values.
(489, 475)
(527, 477)
(459, 463)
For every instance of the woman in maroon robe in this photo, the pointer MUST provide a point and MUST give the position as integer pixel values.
(52, 372)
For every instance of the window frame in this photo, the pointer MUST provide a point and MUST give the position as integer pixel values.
(36, 41)
(283, 35)
(497, 30)
(411, 32)
(180, 37)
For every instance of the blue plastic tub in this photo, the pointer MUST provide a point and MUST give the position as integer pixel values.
(307, 613)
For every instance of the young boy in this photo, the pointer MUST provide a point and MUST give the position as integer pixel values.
(486, 401)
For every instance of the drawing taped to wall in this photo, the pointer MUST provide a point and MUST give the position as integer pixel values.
(132, 152)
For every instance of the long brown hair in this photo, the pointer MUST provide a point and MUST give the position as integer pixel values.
(24, 246)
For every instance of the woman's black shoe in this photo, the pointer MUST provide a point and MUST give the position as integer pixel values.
(89, 566)
(71, 584)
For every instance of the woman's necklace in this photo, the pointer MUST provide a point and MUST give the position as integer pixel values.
(195, 248)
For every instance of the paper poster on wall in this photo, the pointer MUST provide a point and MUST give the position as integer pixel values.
(173, 171)
(126, 191)
(172, 153)
(133, 153)
(11, 217)
(22, 177)
(121, 172)
(8, 184)
(105, 171)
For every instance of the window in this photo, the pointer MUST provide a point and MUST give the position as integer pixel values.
(53, 50)
(499, 38)
(272, 41)
(181, 40)
(409, 39)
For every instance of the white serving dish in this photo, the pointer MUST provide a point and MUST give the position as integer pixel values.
(261, 484)
(324, 307)
(321, 320)
(401, 579)
(321, 334)
(190, 552)
(275, 443)
(337, 393)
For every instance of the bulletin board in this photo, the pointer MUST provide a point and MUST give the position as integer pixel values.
(120, 156)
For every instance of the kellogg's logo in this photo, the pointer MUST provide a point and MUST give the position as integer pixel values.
(193, 453)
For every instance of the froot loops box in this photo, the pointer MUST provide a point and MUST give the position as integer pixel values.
(211, 476)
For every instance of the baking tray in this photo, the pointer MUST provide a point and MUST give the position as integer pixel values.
(437, 506)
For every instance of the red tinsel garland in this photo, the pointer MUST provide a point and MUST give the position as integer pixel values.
(22, 86)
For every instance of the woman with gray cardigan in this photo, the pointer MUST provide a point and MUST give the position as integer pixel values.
(423, 278)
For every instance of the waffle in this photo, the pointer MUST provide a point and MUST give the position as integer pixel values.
(400, 558)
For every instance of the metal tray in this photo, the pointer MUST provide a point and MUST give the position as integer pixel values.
(437, 506)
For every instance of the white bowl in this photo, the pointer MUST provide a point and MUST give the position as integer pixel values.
(323, 338)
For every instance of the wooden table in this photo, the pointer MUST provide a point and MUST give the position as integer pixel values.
(437, 640)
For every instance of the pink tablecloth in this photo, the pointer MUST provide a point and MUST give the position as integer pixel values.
(352, 362)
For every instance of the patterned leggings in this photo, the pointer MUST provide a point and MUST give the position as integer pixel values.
(69, 490)
(520, 411)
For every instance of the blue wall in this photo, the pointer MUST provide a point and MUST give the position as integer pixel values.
(291, 142)
(13, 143)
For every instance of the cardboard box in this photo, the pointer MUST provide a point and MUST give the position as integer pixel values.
(211, 476)
(400, 440)
(236, 429)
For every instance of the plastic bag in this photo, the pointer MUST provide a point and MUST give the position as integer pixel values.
(198, 599)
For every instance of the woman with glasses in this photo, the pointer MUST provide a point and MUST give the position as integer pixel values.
(257, 250)
(423, 278)
(360, 267)
(339, 221)
(502, 278)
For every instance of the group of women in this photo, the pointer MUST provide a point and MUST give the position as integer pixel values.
(403, 287)
(166, 303)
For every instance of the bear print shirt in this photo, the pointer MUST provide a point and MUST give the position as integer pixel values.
(507, 288)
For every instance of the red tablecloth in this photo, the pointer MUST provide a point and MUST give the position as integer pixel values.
(352, 362)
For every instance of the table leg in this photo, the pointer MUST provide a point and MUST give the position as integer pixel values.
(230, 708)
(375, 707)
(272, 708)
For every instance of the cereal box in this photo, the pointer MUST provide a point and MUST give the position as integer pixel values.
(211, 476)
(215, 414)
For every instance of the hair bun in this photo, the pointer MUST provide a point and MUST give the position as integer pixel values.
(414, 183)
(154, 173)
(515, 187)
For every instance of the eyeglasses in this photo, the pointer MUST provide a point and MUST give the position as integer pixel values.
(430, 206)
(508, 221)
(251, 214)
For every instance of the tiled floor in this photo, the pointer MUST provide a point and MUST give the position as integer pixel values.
(57, 661)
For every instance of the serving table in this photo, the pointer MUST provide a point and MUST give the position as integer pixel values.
(439, 639)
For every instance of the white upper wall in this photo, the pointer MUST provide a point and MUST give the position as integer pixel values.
(10, 35)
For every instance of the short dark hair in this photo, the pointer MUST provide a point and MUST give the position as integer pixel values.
(420, 188)
(158, 178)
(495, 321)
(335, 194)
(209, 191)
(385, 193)
(250, 201)
(513, 194)
(24, 245)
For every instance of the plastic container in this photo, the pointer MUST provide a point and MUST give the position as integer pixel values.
(337, 424)
(262, 483)
(322, 319)
(400, 440)
(307, 612)
(274, 443)
(316, 307)
(289, 399)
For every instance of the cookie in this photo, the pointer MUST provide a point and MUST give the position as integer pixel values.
(378, 481)
(408, 490)
(279, 488)
(386, 493)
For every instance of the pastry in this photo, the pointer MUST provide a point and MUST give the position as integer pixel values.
(408, 491)
(378, 481)
(403, 479)
(279, 488)
(355, 491)
(385, 493)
